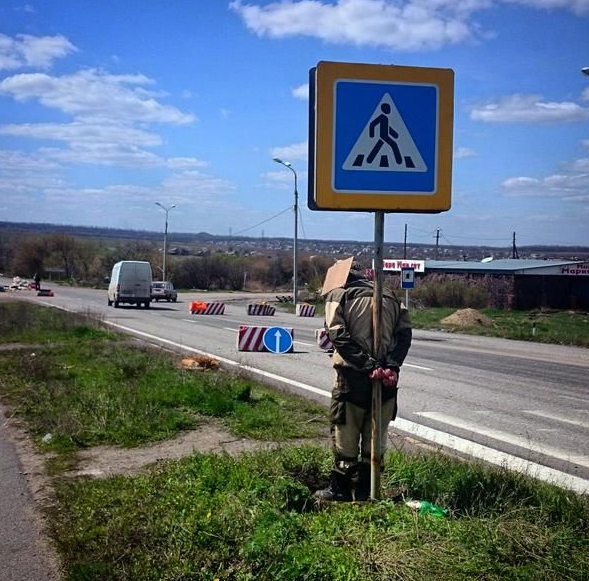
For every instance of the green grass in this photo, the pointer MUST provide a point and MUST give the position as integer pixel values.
(216, 517)
(557, 327)
(86, 389)
(210, 517)
(21, 322)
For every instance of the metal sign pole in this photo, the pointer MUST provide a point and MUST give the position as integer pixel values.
(377, 350)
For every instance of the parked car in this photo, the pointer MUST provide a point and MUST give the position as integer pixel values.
(130, 282)
(163, 291)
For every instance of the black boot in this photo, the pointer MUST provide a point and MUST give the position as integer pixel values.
(362, 491)
(339, 489)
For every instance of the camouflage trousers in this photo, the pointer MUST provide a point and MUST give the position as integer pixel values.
(351, 432)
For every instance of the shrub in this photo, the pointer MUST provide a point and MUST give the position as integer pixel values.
(442, 291)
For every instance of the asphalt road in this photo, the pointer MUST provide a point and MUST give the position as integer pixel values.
(518, 404)
(24, 551)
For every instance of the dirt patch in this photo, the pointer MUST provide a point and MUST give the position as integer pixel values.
(211, 438)
(104, 461)
(468, 318)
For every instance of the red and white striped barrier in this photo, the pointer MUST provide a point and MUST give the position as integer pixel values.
(252, 338)
(305, 310)
(260, 309)
(323, 340)
(202, 308)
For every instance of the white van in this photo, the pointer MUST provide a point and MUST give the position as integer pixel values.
(130, 282)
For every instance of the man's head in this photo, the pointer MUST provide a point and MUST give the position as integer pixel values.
(356, 272)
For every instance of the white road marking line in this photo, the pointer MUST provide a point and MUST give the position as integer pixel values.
(525, 443)
(435, 436)
(225, 360)
(493, 456)
(556, 417)
(417, 366)
(577, 399)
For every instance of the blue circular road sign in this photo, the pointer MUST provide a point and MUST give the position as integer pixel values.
(277, 340)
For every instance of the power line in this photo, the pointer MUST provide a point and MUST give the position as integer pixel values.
(301, 223)
(433, 233)
(424, 232)
(264, 221)
(479, 238)
(446, 239)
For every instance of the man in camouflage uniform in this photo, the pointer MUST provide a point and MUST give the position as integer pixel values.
(348, 323)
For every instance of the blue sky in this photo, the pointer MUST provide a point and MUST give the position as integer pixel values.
(108, 107)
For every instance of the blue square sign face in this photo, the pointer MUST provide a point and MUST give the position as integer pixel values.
(380, 137)
(385, 137)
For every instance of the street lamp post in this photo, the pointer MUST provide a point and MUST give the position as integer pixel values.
(166, 210)
(296, 226)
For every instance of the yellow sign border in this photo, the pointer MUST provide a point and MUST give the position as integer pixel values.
(327, 73)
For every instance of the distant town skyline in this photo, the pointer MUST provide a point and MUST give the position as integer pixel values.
(185, 243)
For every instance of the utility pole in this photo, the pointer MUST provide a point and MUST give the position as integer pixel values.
(437, 241)
(167, 211)
(295, 278)
(405, 244)
(514, 252)
(377, 352)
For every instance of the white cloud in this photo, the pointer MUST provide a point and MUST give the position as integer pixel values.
(32, 51)
(409, 25)
(571, 187)
(401, 25)
(112, 154)
(95, 95)
(111, 114)
(522, 184)
(25, 173)
(45, 197)
(298, 151)
(186, 163)
(301, 92)
(107, 154)
(188, 188)
(26, 8)
(194, 187)
(84, 132)
(18, 162)
(277, 178)
(100, 144)
(579, 7)
(463, 152)
(529, 109)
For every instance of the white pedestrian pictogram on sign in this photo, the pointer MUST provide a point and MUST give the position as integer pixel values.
(385, 143)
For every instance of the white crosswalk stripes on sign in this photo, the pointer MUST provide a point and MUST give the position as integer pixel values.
(385, 143)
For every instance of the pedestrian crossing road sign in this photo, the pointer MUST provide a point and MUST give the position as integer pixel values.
(380, 137)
